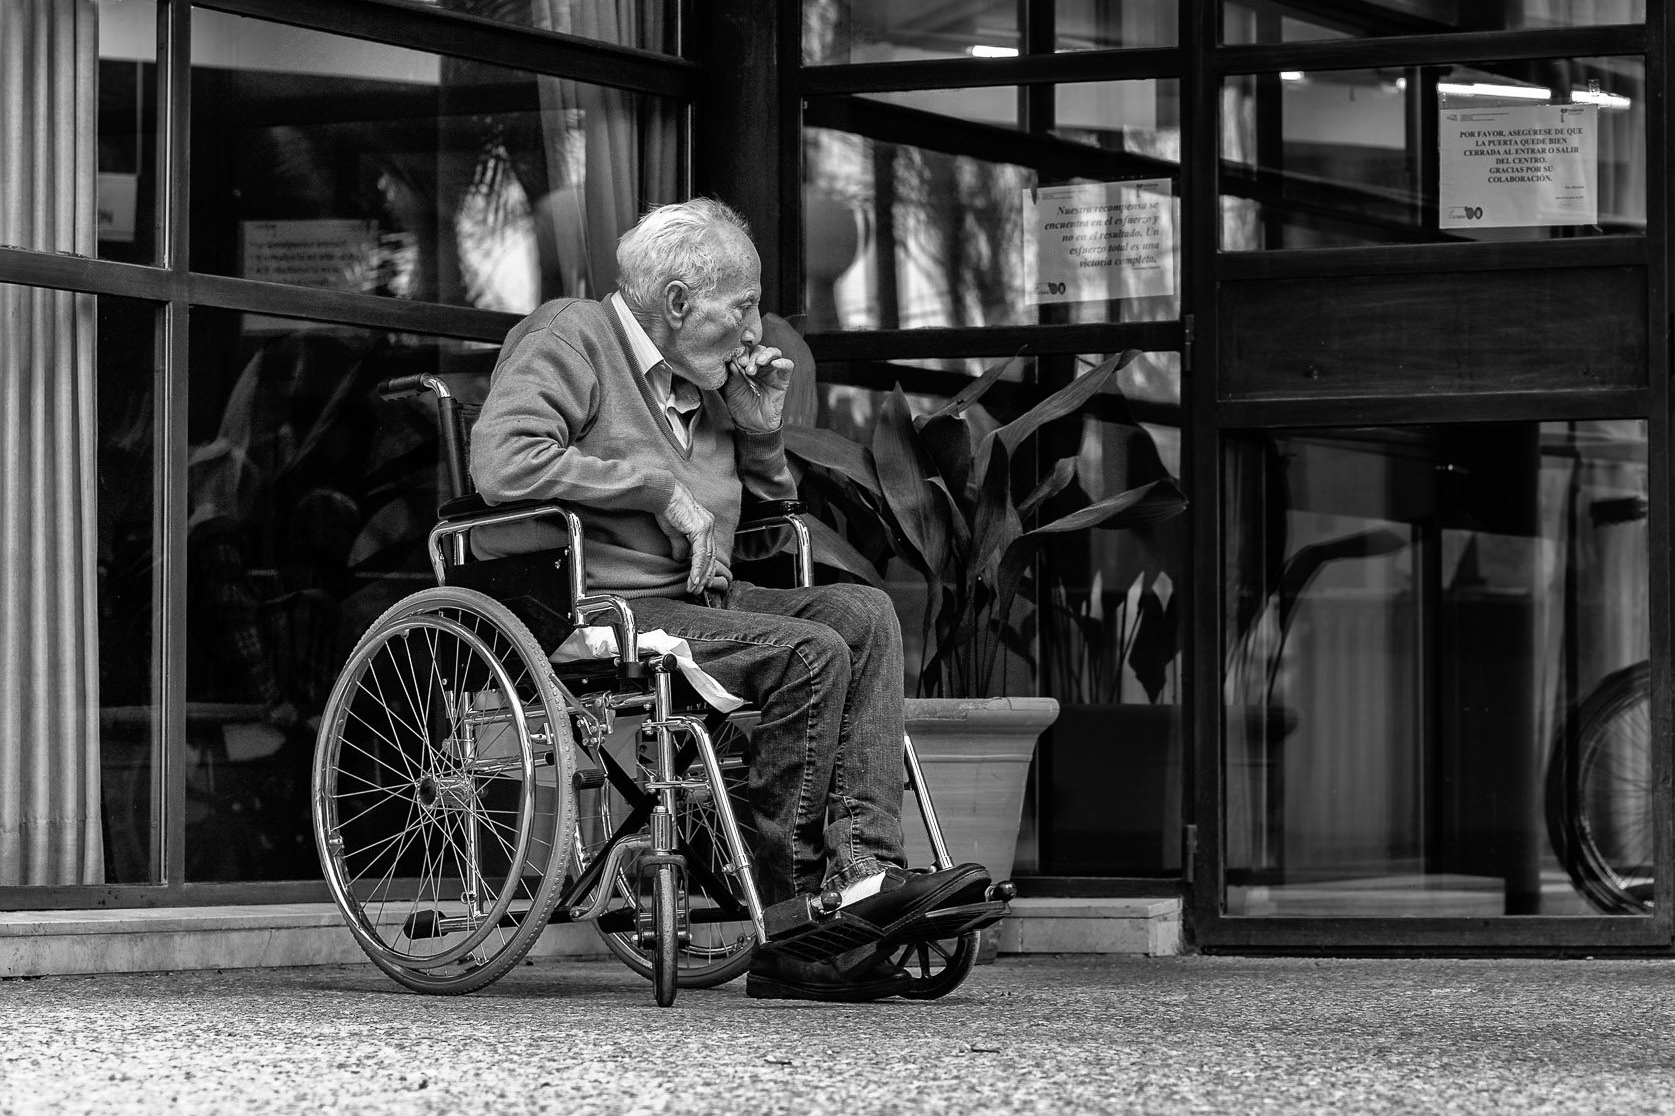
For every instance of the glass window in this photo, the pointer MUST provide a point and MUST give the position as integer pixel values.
(1276, 22)
(836, 31)
(646, 24)
(331, 162)
(936, 210)
(1355, 157)
(127, 176)
(309, 501)
(1436, 691)
(126, 497)
(1109, 788)
(1103, 25)
(839, 31)
(1098, 625)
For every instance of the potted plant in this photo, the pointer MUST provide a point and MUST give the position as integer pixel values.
(1111, 658)
(947, 494)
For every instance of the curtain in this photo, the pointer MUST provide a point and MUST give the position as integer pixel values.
(49, 733)
(611, 154)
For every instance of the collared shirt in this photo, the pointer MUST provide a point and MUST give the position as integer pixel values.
(680, 398)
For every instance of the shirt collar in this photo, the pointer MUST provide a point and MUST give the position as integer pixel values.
(648, 361)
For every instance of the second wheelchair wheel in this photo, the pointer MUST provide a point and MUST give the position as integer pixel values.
(1600, 794)
(442, 783)
(721, 933)
(937, 967)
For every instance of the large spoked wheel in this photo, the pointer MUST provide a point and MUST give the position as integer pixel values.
(721, 936)
(937, 967)
(442, 783)
(666, 935)
(1600, 794)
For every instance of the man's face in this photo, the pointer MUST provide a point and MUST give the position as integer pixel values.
(723, 323)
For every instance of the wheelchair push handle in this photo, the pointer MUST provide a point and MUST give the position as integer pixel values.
(405, 387)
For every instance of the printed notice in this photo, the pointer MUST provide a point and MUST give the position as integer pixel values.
(331, 253)
(1519, 166)
(1097, 241)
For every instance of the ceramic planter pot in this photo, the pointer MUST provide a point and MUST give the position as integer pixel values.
(975, 753)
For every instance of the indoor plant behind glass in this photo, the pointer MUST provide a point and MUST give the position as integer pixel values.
(951, 494)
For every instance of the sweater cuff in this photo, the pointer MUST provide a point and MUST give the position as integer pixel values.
(763, 468)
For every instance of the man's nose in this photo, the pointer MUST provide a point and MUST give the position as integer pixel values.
(752, 327)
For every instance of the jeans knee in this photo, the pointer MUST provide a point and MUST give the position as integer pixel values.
(871, 611)
(827, 656)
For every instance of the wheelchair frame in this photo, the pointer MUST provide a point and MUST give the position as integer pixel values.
(465, 767)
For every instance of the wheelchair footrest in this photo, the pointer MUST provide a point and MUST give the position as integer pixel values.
(801, 928)
(949, 922)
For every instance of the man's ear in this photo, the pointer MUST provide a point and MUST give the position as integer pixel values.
(677, 303)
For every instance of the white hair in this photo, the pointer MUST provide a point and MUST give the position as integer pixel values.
(679, 241)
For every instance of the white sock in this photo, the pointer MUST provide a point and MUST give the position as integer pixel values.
(862, 888)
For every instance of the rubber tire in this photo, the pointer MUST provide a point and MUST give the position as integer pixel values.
(666, 926)
(1601, 759)
(697, 970)
(492, 635)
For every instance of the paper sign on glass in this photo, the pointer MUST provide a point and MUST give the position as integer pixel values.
(1518, 166)
(1096, 241)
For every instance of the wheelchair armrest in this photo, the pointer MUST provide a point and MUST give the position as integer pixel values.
(768, 515)
(764, 513)
(457, 517)
(471, 506)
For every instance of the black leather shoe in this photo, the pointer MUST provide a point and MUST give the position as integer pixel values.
(854, 977)
(909, 895)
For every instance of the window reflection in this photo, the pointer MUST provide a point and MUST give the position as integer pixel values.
(309, 500)
(331, 162)
(1271, 21)
(839, 31)
(1351, 157)
(127, 130)
(1413, 618)
(129, 783)
(912, 220)
(646, 24)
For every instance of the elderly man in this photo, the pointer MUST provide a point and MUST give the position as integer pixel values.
(653, 412)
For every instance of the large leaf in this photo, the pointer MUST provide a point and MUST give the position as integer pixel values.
(971, 393)
(1066, 400)
(1148, 503)
(996, 524)
(948, 442)
(904, 474)
(959, 532)
(1054, 483)
(831, 450)
(832, 549)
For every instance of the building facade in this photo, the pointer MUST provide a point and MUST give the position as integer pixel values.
(1397, 273)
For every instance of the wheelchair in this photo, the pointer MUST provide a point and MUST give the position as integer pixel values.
(467, 791)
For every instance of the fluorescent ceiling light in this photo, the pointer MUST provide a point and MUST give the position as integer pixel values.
(1293, 75)
(1603, 100)
(981, 50)
(1484, 89)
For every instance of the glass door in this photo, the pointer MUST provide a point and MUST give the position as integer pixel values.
(1429, 630)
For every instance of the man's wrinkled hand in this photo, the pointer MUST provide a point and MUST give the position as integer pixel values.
(755, 389)
(691, 528)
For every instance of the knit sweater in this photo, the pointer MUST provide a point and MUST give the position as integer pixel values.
(569, 417)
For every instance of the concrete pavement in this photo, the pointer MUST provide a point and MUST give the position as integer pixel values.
(1026, 1034)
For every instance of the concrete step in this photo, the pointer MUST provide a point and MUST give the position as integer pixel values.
(40, 943)
(1149, 926)
(37, 943)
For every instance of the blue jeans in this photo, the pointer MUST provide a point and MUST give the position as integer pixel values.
(824, 665)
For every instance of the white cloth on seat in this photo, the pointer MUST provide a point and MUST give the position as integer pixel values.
(598, 641)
